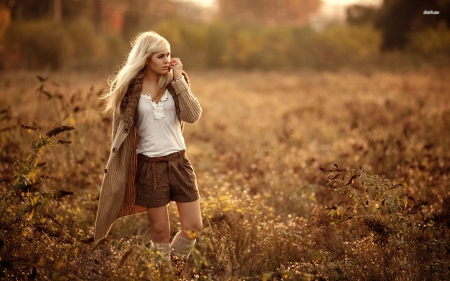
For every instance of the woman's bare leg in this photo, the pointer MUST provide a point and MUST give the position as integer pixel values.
(159, 224)
(190, 217)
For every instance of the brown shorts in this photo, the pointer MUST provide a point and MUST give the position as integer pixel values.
(160, 180)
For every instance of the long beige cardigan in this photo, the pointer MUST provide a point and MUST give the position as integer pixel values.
(117, 195)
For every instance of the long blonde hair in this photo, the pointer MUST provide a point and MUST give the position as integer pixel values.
(144, 46)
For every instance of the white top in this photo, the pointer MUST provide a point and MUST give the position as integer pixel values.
(159, 130)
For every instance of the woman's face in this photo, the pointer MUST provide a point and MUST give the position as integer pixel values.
(159, 62)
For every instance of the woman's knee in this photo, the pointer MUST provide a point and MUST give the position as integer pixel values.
(195, 226)
(160, 228)
(159, 221)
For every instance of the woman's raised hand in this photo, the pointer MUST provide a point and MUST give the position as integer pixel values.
(177, 68)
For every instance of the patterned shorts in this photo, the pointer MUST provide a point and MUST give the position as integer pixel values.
(160, 180)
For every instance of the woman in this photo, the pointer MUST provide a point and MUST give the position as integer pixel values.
(148, 166)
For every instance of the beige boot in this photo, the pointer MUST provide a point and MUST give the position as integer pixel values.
(162, 252)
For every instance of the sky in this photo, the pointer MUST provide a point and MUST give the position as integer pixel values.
(331, 10)
(348, 2)
(335, 10)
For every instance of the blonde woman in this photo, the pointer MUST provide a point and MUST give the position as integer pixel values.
(148, 167)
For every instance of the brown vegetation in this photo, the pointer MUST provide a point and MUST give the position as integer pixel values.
(303, 176)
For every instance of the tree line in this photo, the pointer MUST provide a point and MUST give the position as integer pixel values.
(88, 33)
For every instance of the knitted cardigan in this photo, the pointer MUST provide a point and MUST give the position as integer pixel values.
(117, 195)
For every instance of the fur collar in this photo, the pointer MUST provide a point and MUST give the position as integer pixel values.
(131, 99)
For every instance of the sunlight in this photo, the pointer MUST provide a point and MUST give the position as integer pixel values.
(349, 2)
(209, 3)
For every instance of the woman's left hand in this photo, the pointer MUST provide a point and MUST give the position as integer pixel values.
(177, 68)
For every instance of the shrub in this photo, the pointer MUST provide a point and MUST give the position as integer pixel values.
(393, 227)
(87, 48)
(35, 45)
(431, 40)
(247, 46)
(221, 44)
(351, 45)
(187, 41)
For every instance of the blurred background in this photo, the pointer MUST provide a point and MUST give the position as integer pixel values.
(232, 34)
(296, 95)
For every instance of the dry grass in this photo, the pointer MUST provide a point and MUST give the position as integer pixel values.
(257, 150)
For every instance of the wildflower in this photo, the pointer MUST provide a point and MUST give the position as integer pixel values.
(59, 130)
(29, 127)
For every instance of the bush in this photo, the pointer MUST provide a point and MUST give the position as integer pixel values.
(238, 46)
(87, 48)
(187, 41)
(431, 43)
(35, 45)
(115, 49)
(351, 45)
(42, 44)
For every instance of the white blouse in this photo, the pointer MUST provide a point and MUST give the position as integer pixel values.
(159, 130)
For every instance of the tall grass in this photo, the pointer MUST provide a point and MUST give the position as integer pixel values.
(303, 175)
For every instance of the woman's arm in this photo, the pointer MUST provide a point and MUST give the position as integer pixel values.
(190, 109)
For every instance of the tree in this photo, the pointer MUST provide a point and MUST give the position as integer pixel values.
(29, 9)
(358, 14)
(397, 18)
(143, 14)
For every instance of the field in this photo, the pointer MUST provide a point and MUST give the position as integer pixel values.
(303, 176)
